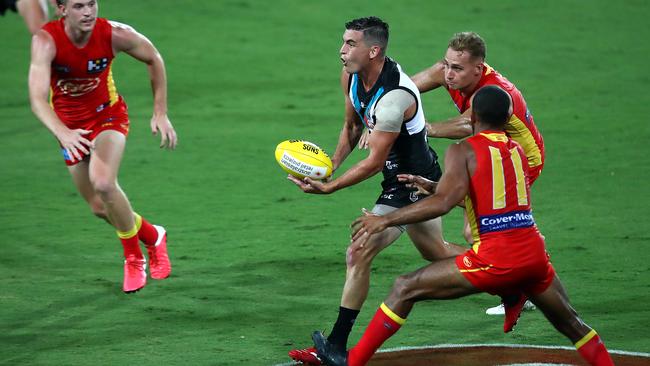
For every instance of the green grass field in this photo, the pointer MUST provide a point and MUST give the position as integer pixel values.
(258, 264)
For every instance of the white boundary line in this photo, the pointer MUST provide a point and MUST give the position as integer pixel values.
(408, 348)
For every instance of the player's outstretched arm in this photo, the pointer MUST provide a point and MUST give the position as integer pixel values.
(380, 145)
(422, 185)
(453, 128)
(453, 186)
(430, 78)
(43, 52)
(126, 39)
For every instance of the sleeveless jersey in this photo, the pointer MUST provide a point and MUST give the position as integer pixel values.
(521, 126)
(81, 79)
(498, 200)
(410, 152)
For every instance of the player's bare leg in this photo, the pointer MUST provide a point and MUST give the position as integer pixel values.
(554, 303)
(358, 262)
(438, 280)
(102, 172)
(81, 179)
(154, 237)
(103, 169)
(355, 292)
(428, 239)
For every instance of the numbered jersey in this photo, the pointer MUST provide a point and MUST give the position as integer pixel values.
(82, 82)
(498, 201)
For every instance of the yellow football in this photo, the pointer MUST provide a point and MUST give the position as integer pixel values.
(303, 159)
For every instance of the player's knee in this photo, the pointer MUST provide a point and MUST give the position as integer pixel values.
(429, 256)
(402, 288)
(361, 256)
(104, 186)
(354, 257)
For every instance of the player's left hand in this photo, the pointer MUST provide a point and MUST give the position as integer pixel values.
(365, 226)
(168, 136)
(422, 185)
(309, 185)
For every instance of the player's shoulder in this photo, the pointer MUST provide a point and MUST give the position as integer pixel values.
(493, 77)
(463, 147)
(119, 26)
(43, 45)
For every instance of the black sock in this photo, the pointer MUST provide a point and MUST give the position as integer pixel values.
(343, 327)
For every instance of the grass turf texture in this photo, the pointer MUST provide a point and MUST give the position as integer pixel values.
(257, 264)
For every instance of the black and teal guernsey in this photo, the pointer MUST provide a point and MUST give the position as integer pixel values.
(410, 153)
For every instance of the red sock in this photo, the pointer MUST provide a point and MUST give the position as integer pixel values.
(383, 325)
(130, 243)
(593, 350)
(146, 232)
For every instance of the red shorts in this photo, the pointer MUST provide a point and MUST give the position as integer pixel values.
(114, 118)
(531, 278)
(533, 173)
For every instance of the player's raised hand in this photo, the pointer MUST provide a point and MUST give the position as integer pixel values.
(309, 185)
(365, 226)
(73, 142)
(423, 185)
(168, 136)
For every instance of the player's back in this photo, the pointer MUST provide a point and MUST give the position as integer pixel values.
(498, 201)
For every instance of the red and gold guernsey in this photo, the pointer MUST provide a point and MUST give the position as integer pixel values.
(498, 201)
(81, 82)
(521, 126)
(508, 254)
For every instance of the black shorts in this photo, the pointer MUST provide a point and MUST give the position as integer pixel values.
(398, 195)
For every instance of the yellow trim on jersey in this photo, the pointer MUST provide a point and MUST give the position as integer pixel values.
(128, 234)
(495, 136)
(51, 98)
(522, 196)
(138, 221)
(476, 269)
(488, 69)
(112, 89)
(471, 218)
(518, 131)
(396, 318)
(586, 339)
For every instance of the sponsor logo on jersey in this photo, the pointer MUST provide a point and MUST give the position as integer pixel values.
(467, 262)
(506, 221)
(98, 65)
(77, 86)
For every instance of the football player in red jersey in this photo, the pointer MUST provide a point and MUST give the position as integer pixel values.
(72, 58)
(508, 257)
